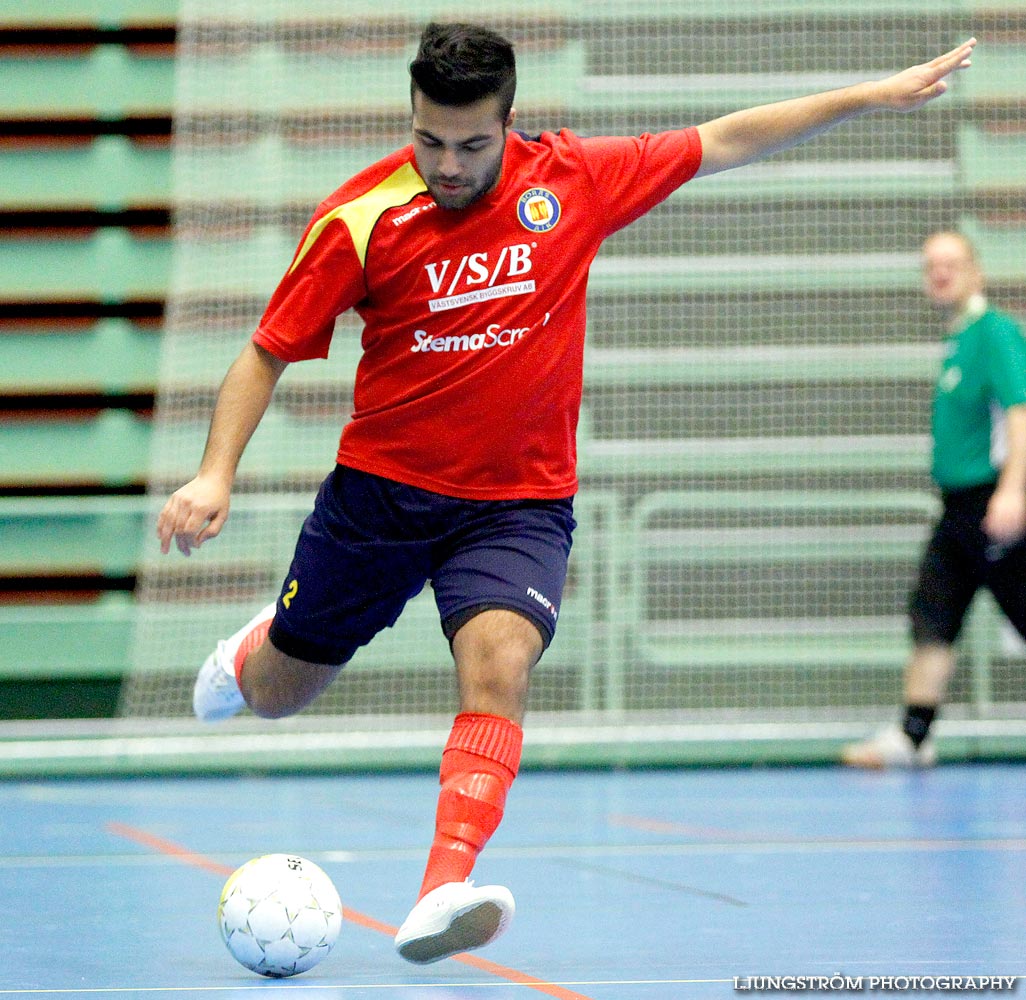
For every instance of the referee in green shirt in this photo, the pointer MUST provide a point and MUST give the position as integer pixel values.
(979, 464)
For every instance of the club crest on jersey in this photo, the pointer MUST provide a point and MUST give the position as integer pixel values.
(538, 210)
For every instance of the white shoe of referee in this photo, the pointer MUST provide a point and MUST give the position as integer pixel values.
(890, 748)
(216, 694)
(453, 918)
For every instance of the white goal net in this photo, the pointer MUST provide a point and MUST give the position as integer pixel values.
(754, 441)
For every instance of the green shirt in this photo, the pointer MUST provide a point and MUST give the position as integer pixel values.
(983, 374)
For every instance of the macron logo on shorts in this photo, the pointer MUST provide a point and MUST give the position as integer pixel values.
(543, 601)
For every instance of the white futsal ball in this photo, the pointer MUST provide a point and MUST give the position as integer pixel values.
(279, 915)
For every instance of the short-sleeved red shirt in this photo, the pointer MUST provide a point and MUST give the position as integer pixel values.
(473, 344)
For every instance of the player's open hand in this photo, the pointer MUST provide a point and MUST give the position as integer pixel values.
(1005, 520)
(917, 85)
(193, 514)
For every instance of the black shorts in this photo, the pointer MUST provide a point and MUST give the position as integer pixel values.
(959, 560)
(371, 544)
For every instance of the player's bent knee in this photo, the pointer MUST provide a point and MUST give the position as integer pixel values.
(266, 707)
(498, 635)
(278, 701)
(495, 652)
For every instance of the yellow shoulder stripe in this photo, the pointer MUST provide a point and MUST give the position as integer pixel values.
(361, 214)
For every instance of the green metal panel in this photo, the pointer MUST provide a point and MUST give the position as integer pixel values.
(109, 173)
(354, 81)
(656, 367)
(109, 265)
(108, 81)
(71, 535)
(992, 161)
(110, 449)
(534, 12)
(110, 356)
(89, 13)
(698, 457)
(998, 74)
(1001, 246)
(87, 640)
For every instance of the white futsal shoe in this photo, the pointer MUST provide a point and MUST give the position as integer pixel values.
(216, 694)
(891, 747)
(453, 918)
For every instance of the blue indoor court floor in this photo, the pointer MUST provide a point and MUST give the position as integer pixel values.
(630, 885)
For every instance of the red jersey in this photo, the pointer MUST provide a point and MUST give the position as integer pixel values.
(473, 343)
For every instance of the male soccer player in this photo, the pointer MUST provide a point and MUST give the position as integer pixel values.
(466, 255)
(979, 464)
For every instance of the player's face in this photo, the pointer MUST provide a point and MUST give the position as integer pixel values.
(950, 277)
(459, 149)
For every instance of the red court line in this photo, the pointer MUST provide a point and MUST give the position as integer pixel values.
(183, 854)
(648, 824)
(715, 834)
(520, 978)
(162, 846)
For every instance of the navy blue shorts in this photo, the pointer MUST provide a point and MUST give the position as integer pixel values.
(371, 544)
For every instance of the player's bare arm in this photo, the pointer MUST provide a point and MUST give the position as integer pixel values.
(198, 511)
(746, 136)
(1005, 521)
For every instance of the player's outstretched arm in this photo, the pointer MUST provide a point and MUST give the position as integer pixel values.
(199, 509)
(745, 136)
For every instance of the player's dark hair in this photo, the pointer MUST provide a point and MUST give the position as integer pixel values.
(458, 64)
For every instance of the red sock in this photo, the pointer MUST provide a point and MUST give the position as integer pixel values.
(479, 764)
(254, 638)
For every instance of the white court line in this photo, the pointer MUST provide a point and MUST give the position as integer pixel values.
(264, 987)
(824, 846)
(248, 744)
